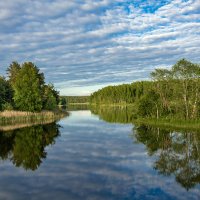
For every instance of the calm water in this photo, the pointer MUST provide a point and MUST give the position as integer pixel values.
(99, 156)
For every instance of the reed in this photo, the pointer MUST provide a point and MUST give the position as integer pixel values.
(20, 117)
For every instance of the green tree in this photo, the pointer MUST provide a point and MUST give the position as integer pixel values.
(187, 74)
(49, 98)
(63, 101)
(13, 71)
(149, 105)
(172, 92)
(162, 84)
(28, 88)
(5, 93)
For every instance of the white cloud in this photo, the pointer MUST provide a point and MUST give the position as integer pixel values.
(100, 42)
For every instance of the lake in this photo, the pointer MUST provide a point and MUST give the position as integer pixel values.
(99, 154)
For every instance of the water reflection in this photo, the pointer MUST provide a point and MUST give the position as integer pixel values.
(26, 147)
(117, 114)
(177, 153)
(74, 107)
(94, 159)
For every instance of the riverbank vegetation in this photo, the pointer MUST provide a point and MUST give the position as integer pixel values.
(24, 89)
(127, 115)
(170, 94)
(21, 118)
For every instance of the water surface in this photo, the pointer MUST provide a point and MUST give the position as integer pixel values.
(99, 155)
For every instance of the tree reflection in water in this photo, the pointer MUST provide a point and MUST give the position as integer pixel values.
(26, 147)
(114, 114)
(177, 153)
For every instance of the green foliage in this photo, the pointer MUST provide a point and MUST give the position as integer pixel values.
(7, 106)
(5, 93)
(62, 101)
(25, 89)
(53, 92)
(121, 94)
(28, 89)
(172, 93)
(49, 98)
(149, 105)
(13, 71)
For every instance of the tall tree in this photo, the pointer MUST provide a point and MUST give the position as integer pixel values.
(28, 88)
(13, 71)
(5, 92)
(50, 97)
(188, 75)
(149, 105)
(162, 79)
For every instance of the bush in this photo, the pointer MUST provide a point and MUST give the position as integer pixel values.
(7, 106)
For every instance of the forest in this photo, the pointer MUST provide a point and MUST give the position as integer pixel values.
(171, 93)
(24, 89)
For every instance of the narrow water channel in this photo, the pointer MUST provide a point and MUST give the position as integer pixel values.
(84, 156)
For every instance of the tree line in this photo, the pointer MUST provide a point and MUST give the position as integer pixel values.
(25, 89)
(173, 93)
(121, 94)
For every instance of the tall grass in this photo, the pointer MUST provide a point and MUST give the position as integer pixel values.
(19, 117)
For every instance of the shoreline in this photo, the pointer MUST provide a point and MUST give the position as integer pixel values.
(21, 117)
(169, 123)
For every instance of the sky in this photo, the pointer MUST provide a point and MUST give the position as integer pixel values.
(84, 45)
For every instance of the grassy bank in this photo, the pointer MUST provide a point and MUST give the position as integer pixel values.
(19, 117)
(170, 123)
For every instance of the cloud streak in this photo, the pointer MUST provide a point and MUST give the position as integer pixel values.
(83, 45)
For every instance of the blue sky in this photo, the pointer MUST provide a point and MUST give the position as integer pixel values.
(83, 45)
